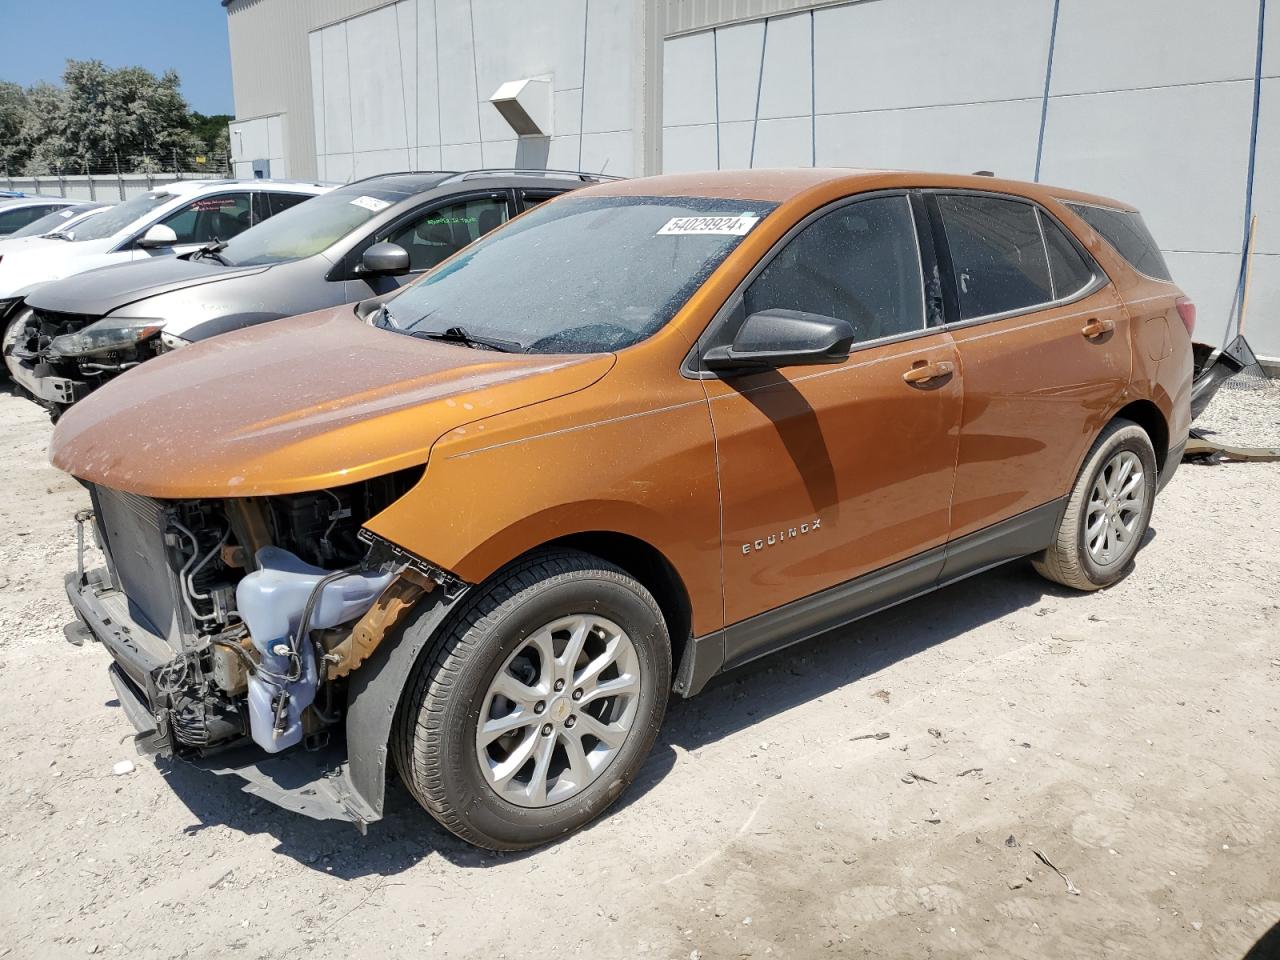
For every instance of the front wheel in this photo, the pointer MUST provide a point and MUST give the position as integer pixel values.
(537, 704)
(1107, 513)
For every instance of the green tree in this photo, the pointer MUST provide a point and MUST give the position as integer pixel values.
(210, 128)
(13, 112)
(43, 135)
(105, 119)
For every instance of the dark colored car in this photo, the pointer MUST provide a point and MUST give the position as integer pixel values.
(360, 240)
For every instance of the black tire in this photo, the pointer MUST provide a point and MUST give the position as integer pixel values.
(433, 740)
(1067, 560)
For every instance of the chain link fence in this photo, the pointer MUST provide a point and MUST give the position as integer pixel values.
(112, 179)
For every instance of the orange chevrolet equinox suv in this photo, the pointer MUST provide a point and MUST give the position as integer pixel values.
(481, 526)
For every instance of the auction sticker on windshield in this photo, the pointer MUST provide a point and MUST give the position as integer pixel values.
(725, 225)
(371, 203)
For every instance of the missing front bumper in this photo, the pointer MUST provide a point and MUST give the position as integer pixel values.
(315, 783)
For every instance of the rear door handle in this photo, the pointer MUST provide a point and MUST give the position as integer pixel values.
(925, 372)
(1096, 328)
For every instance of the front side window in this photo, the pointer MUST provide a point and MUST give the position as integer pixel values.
(443, 231)
(121, 215)
(210, 218)
(996, 252)
(581, 275)
(859, 263)
(1126, 231)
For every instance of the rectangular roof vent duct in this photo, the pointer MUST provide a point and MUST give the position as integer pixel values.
(525, 105)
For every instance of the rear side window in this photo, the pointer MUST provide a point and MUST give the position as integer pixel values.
(531, 198)
(859, 263)
(279, 202)
(11, 220)
(1068, 270)
(997, 254)
(1125, 231)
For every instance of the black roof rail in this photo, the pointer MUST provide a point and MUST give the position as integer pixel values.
(400, 173)
(533, 172)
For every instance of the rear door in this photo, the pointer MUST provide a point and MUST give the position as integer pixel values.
(1041, 338)
(532, 198)
(830, 472)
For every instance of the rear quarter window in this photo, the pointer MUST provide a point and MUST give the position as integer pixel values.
(1126, 231)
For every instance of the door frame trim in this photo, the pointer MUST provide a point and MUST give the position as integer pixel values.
(837, 606)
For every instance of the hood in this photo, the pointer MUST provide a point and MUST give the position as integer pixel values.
(299, 404)
(46, 259)
(14, 244)
(98, 292)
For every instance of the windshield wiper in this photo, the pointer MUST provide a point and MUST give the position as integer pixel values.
(212, 250)
(58, 235)
(460, 336)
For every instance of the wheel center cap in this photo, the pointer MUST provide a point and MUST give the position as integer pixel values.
(560, 709)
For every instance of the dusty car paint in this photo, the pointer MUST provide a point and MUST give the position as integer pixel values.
(333, 401)
(760, 493)
(324, 399)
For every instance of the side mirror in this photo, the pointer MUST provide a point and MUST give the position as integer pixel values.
(783, 338)
(158, 236)
(385, 259)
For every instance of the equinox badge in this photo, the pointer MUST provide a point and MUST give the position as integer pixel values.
(782, 535)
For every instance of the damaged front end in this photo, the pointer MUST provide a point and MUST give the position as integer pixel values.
(59, 358)
(240, 631)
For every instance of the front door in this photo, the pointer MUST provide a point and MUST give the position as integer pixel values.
(203, 221)
(1045, 353)
(830, 472)
(431, 235)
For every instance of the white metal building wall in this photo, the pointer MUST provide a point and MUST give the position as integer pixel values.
(406, 86)
(271, 77)
(1149, 101)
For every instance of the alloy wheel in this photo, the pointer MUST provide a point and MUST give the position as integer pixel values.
(1116, 504)
(558, 711)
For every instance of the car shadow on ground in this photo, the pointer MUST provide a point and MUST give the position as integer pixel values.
(731, 703)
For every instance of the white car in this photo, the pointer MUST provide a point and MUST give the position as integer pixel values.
(17, 212)
(169, 220)
(59, 222)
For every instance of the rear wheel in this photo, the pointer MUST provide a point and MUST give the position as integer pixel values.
(537, 704)
(1107, 513)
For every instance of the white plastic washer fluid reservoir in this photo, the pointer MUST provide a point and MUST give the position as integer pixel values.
(271, 600)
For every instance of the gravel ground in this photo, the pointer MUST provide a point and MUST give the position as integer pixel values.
(1129, 736)
(1245, 412)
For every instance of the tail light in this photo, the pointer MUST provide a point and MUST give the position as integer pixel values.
(1187, 311)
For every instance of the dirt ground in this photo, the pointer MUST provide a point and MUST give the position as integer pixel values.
(1131, 737)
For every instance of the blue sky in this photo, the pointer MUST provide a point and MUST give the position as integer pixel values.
(189, 36)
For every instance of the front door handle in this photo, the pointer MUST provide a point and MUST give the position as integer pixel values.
(1096, 328)
(925, 372)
